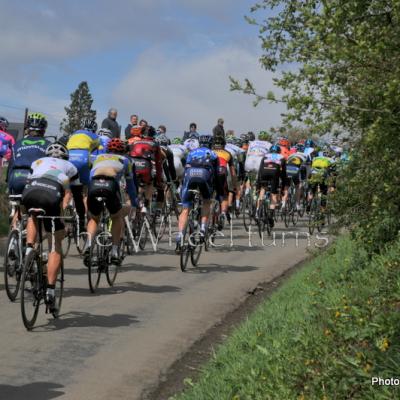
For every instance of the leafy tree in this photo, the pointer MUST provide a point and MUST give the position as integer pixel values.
(79, 109)
(337, 63)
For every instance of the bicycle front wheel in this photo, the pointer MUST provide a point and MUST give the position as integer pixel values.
(12, 266)
(31, 291)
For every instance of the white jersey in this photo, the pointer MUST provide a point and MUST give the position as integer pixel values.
(191, 144)
(234, 150)
(55, 169)
(180, 152)
(255, 153)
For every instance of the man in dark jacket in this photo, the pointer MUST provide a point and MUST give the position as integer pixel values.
(111, 123)
(134, 121)
(192, 132)
(219, 130)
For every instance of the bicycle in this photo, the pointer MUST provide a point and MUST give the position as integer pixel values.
(99, 260)
(248, 204)
(15, 250)
(316, 218)
(34, 276)
(191, 242)
(265, 213)
(72, 231)
(290, 213)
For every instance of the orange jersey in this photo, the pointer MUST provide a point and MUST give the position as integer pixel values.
(225, 158)
(285, 152)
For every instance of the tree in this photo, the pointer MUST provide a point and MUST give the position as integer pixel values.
(337, 63)
(79, 109)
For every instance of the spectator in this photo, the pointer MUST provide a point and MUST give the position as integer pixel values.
(111, 123)
(162, 130)
(192, 132)
(133, 122)
(219, 130)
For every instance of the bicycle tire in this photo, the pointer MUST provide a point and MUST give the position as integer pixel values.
(185, 253)
(59, 290)
(12, 268)
(94, 268)
(312, 217)
(197, 249)
(31, 283)
(247, 214)
(113, 269)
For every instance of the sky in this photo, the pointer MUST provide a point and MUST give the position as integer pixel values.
(168, 61)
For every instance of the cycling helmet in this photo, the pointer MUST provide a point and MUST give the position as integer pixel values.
(309, 143)
(230, 139)
(251, 136)
(302, 141)
(237, 142)
(206, 141)
(275, 149)
(284, 142)
(245, 138)
(162, 140)
(36, 122)
(177, 140)
(116, 145)
(149, 131)
(90, 125)
(219, 141)
(105, 132)
(57, 150)
(300, 147)
(263, 135)
(3, 123)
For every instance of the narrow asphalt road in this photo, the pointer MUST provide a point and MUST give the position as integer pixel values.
(118, 342)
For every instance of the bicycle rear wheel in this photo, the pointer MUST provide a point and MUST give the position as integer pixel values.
(196, 246)
(312, 217)
(59, 290)
(185, 252)
(94, 267)
(12, 265)
(112, 269)
(31, 291)
(247, 212)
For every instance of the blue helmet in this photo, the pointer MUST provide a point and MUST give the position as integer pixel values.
(206, 141)
(275, 149)
(309, 143)
(300, 147)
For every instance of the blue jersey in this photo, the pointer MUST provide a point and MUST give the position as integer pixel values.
(28, 150)
(202, 157)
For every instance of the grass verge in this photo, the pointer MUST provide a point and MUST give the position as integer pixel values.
(323, 335)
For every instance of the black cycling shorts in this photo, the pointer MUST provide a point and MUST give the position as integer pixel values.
(269, 173)
(48, 195)
(107, 188)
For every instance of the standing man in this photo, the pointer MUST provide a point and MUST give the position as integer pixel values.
(192, 134)
(133, 122)
(111, 123)
(219, 131)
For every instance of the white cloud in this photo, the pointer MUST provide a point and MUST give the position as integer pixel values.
(177, 91)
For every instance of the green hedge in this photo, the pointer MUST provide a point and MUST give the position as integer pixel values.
(323, 335)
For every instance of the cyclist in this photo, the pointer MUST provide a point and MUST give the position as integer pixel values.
(108, 170)
(297, 171)
(147, 157)
(255, 153)
(192, 143)
(251, 136)
(49, 189)
(272, 170)
(7, 141)
(26, 151)
(168, 165)
(104, 135)
(81, 144)
(234, 146)
(226, 177)
(200, 173)
(321, 168)
(179, 151)
(309, 148)
(284, 144)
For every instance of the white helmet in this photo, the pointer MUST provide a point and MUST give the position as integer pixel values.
(105, 132)
(57, 150)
